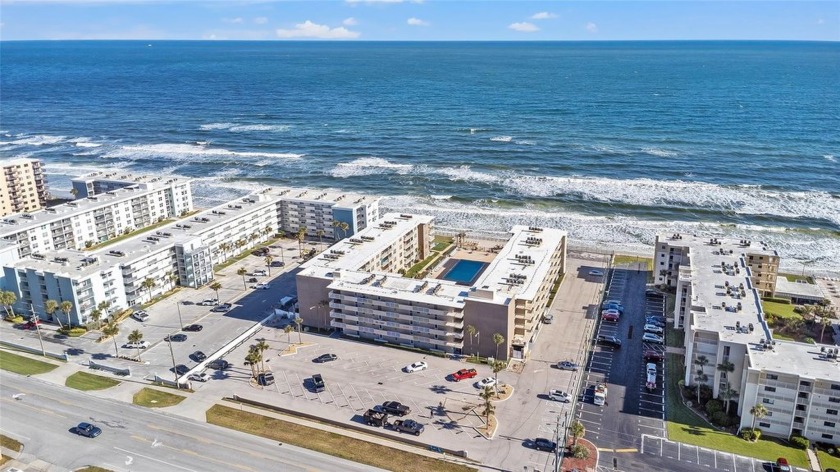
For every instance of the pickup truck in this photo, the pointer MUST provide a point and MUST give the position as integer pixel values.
(464, 374)
(408, 426)
(376, 416)
(318, 383)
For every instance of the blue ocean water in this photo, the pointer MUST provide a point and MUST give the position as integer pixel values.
(612, 141)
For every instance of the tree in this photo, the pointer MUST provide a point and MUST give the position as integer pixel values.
(253, 358)
(344, 228)
(336, 225)
(112, 330)
(66, 307)
(96, 316)
(50, 306)
(701, 377)
(75, 192)
(299, 323)
(725, 368)
(241, 271)
(267, 230)
(471, 331)
(497, 367)
(499, 340)
(758, 411)
(727, 393)
(282, 234)
(135, 337)
(268, 260)
(104, 306)
(262, 346)
(7, 299)
(825, 322)
(301, 237)
(216, 286)
(578, 430)
(489, 408)
(320, 234)
(173, 280)
(149, 284)
(225, 248)
(288, 330)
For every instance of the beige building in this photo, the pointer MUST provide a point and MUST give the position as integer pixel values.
(23, 188)
(356, 287)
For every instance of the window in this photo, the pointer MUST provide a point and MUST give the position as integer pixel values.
(764, 425)
(828, 436)
(804, 383)
(830, 424)
(835, 386)
(831, 412)
(772, 377)
(768, 401)
(769, 389)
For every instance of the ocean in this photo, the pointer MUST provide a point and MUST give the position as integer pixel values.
(611, 141)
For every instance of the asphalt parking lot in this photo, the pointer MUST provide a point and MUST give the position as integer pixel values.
(703, 459)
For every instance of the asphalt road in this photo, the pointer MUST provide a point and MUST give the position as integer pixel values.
(135, 438)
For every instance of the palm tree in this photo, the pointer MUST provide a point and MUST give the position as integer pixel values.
(66, 307)
(497, 367)
(112, 330)
(487, 396)
(301, 236)
(299, 322)
(241, 271)
(268, 260)
(320, 234)
(216, 286)
(757, 411)
(281, 234)
(498, 339)
(726, 393)
(321, 305)
(50, 306)
(96, 316)
(262, 346)
(149, 284)
(267, 230)
(74, 191)
(135, 337)
(104, 306)
(701, 377)
(173, 280)
(344, 228)
(578, 430)
(825, 322)
(7, 299)
(288, 330)
(336, 225)
(225, 248)
(253, 358)
(471, 331)
(725, 368)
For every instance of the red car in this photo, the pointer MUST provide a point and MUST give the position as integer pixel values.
(464, 374)
(652, 355)
(30, 324)
(610, 316)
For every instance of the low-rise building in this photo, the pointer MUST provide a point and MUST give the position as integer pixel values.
(23, 187)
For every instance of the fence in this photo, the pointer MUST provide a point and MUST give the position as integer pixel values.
(33, 350)
(238, 341)
(116, 370)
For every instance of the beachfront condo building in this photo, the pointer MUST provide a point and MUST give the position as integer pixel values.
(326, 214)
(23, 187)
(357, 287)
(719, 284)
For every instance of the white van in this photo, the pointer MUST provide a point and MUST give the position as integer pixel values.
(140, 316)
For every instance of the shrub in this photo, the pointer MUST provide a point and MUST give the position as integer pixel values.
(810, 340)
(751, 435)
(720, 418)
(580, 452)
(73, 332)
(713, 406)
(14, 318)
(786, 301)
(799, 442)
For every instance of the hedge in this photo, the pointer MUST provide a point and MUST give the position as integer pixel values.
(799, 442)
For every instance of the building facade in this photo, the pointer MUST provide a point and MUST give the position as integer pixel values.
(23, 187)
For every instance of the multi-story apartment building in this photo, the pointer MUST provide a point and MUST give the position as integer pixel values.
(318, 211)
(97, 218)
(23, 187)
(719, 284)
(356, 287)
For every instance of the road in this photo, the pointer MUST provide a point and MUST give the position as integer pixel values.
(136, 438)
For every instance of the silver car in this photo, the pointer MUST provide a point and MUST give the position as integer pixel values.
(567, 365)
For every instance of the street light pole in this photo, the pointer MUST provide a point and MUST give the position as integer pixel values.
(178, 304)
(34, 319)
(174, 367)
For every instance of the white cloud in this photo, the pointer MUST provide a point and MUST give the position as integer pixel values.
(543, 15)
(524, 27)
(417, 22)
(309, 29)
(260, 20)
(350, 22)
(592, 27)
(236, 21)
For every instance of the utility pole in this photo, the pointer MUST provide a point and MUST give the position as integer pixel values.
(557, 457)
(34, 319)
(174, 367)
(565, 437)
(178, 304)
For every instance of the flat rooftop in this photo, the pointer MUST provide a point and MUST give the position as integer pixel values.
(805, 359)
(17, 161)
(785, 286)
(129, 178)
(523, 262)
(428, 291)
(745, 246)
(338, 199)
(354, 252)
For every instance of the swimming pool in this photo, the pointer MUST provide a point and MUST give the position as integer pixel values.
(464, 272)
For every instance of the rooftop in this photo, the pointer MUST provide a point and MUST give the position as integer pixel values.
(810, 362)
(17, 161)
(338, 199)
(785, 286)
(746, 246)
(428, 291)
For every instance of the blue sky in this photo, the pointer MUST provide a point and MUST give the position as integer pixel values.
(419, 20)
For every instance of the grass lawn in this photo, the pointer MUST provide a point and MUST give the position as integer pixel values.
(93, 468)
(685, 426)
(4, 459)
(443, 239)
(440, 246)
(23, 365)
(828, 461)
(624, 259)
(417, 268)
(152, 398)
(783, 310)
(10, 443)
(85, 381)
(328, 443)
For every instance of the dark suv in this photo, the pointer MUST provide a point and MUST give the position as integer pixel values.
(609, 340)
(543, 444)
(396, 408)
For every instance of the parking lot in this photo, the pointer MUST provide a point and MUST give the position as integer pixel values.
(687, 455)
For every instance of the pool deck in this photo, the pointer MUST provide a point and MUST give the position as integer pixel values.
(463, 254)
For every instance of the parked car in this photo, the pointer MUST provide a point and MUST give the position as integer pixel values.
(253, 280)
(198, 356)
(140, 316)
(782, 465)
(87, 430)
(31, 324)
(653, 339)
(596, 273)
(219, 364)
(325, 358)
(567, 365)
(614, 306)
(610, 316)
(199, 377)
(548, 319)
(178, 338)
(609, 340)
(655, 317)
(209, 302)
(486, 382)
(652, 292)
(318, 383)
(559, 396)
(464, 374)
(408, 426)
(261, 272)
(193, 327)
(223, 308)
(277, 263)
(654, 321)
(180, 369)
(376, 416)
(543, 444)
(395, 408)
(651, 368)
(610, 311)
(262, 286)
(416, 367)
(652, 328)
(137, 345)
(653, 355)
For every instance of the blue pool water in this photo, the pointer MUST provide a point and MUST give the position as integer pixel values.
(465, 272)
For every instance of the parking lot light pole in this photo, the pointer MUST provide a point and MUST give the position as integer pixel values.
(180, 321)
(34, 318)
(174, 367)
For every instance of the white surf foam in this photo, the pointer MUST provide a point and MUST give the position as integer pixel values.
(244, 128)
(502, 139)
(369, 166)
(34, 140)
(440, 197)
(189, 152)
(830, 157)
(660, 152)
(462, 173)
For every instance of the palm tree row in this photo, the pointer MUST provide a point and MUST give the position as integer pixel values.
(340, 225)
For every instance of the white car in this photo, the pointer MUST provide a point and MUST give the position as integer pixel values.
(653, 339)
(209, 302)
(651, 369)
(259, 272)
(140, 316)
(596, 273)
(559, 396)
(416, 367)
(486, 382)
(652, 328)
(262, 286)
(199, 377)
(138, 345)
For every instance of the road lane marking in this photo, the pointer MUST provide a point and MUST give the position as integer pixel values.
(16, 434)
(153, 459)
